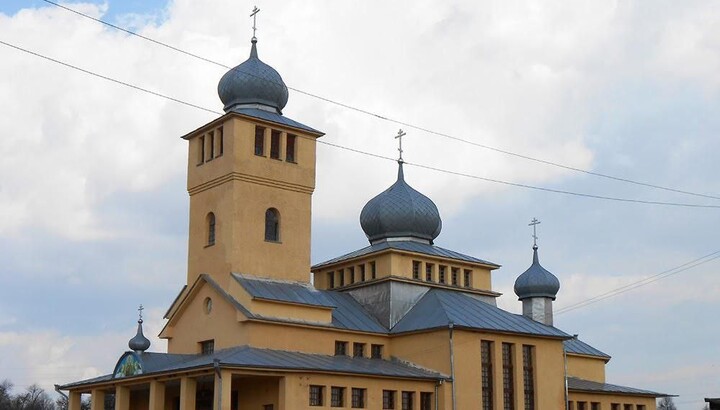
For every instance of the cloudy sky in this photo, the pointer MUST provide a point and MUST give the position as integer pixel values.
(93, 206)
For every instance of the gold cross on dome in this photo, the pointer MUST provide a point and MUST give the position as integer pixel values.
(534, 223)
(254, 16)
(398, 137)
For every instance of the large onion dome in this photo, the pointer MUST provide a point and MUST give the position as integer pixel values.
(139, 342)
(536, 281)
(400, 212)
(253, 84)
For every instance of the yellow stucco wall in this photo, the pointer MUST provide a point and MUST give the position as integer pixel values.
(585, 367)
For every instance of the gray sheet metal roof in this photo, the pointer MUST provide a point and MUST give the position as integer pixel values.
(410, 246)
(274, 117)
(347, 312)
(292, 292)
(577, 384)
(577, 346)
(256, 358)
(438, 308)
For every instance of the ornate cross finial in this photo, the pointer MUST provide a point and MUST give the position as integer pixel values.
(254, 16)
(534, 223)
(140, 309)
(399, 136)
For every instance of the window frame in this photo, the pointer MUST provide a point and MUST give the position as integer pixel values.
(259, 147)
(272, 225)
(316, 393)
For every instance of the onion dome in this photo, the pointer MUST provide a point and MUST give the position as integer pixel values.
(400, 212)
(536, 281)
(139, 343)
(253, 84)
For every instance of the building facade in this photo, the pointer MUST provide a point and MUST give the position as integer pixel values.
(399, 324)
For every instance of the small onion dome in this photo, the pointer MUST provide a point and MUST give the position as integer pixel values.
(400, 212)
(139, 343)
(536, 281)
(253, 84)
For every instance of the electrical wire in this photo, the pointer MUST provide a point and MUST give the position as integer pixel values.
(389, 119)
(643, 282)
(498, 181)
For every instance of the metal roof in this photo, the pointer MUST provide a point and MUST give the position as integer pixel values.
(577, 384)
(409, 246)
(256, 358)
(349, 314)
(536, 281)
(438, 308)
(273, 117)
(577, 346)
(284, 291)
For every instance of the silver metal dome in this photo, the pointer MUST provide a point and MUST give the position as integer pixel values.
(536, 281)
(253, 84)
(139, 342)
(400, 212)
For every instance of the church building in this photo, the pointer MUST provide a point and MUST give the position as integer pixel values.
(399, 324)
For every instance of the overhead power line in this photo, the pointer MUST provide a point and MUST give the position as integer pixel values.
(209, 110)
(643, 282)
(390, 119)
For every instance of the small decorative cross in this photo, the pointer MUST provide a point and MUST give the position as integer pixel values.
(399, 136)
(534, 223)
(254, 16)
(140, 309)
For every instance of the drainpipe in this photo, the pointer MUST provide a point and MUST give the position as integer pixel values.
(566, 376)
(57, 389)
(451, 325)
(437, 400)
(216, 365)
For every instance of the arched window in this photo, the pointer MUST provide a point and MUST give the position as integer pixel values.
(210, 229)
(272, 225)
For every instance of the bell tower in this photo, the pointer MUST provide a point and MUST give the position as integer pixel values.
(251, 175)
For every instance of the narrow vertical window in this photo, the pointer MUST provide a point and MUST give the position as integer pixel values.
(373, 273)
(416, 270)
(376, 351)
(454, 276)
(615, 406)
(221, 141)
(508, 381)
(362, 273)
(487, 374)
(529, 378)
(358, 398)
(211, 146)
(340, 348)
(467, 278)
(337, 396)
(407, 400)
(275, 144)
(272, 225)
(290, 148)
(341, 277)
(388, 399)
(210, 229)
(426, 401)
(441, 273)
(316, 395)
(201, 150)
(331, 280)
(351, 273)
(596, 406)
(259, 140)
(429, 267)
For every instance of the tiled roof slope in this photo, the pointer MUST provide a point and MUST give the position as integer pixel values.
(589, 386)
(438, 308)
(409, 246)
(577, 346)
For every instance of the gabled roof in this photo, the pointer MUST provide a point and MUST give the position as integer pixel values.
(284, 291)
(577, 346)
(256, 358)
(438, 308)
(409, 246)
(576, 384)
